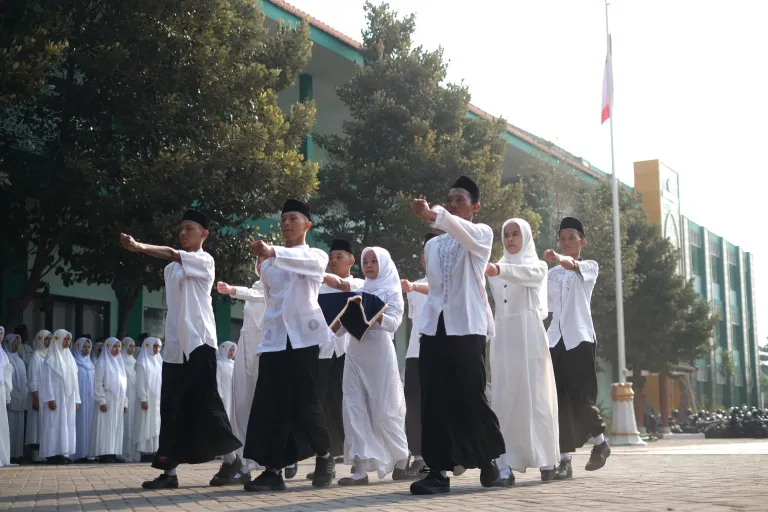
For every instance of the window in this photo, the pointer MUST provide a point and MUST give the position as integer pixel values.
(715, 248)
(695, 236)
(733, 256)
(738, 374)
(78, 316)
(154, 322)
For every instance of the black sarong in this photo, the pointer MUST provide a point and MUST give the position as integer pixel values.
(458, 426)
(576, 381)
(287, 422)
(329, 380)
(194, 427)
(412, 393)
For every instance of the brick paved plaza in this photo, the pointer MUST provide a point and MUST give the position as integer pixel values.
(667, 476)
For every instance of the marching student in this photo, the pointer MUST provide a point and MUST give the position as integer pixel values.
(572, 343)
(194, 427)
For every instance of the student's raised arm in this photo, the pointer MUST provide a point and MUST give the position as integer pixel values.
(156, 251)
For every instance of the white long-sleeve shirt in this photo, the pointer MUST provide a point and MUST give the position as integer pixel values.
(456, 263)
(569, 295)
(292, 281)
(416, 301)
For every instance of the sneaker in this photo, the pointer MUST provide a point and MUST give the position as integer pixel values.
(268, 481)
(433, 483)
(290, 471)
(417, 466)
(164, 481)
(401, 474)
(505, 482)
(229, 474)
(349, 481)
(599, 456)
(547, 474)
(489, 475)
(564, 471)
(324, 471)
(311, 474)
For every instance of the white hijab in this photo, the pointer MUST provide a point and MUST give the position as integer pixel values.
(152, 364)
(114, 368)
(527, 256)
(3, 356)
(39, 342)
(82, 361)
(129, 359)
(61, 361)
(388, 278)
(223, 353)
(19, 368)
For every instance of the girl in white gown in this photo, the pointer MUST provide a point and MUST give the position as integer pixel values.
(59, 400)
(523, 395)
(225, 367)
(373, 400)
(146, 407)
(12, 347)
(86, 375)
(129, 359)
(34, 377)
(109, 393)
(6, 388)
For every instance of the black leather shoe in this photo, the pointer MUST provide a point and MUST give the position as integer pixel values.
(600, 454)
(433, 483)
(229, 474)
(564, 470)
(324, 471)
(290, 471)
(489, 475)
(505, 482)
(547, 474)
(268, 481)
(349, 481)
(164, 481)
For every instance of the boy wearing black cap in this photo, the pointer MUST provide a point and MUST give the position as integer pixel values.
(458, 426)
(333, 355)
(194, 427)
(572, 341)
(287, 422)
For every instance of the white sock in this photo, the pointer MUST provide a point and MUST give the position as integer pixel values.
(443, 474)
(170, 472)
(505, 472)
(401, 464)
(230, 457)
(417, 457)
(565, 456)
(598, 440)
(359, 470)
(291, 465)
(326, 456)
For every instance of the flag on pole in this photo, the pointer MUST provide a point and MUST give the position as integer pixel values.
(607, 109)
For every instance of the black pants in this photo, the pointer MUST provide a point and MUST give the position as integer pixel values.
(287, 422)
(576, 381)
(413, 405)
(194, 427)
(458, 425)
(329, 381)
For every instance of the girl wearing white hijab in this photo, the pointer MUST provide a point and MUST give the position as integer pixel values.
(6, 388)
(34, 377)
(59, 400)
(109, 393)
(523, 395)
(373, 402)
(96, 352)
(86, 376)
(225, 367)
(146, 407)
(12, 346)
(129, 359)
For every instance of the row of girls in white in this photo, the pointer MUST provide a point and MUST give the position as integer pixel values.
(77, 409)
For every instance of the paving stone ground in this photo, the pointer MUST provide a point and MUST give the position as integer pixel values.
(666, 476)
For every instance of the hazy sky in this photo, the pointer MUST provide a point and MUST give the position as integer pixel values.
(690, 82)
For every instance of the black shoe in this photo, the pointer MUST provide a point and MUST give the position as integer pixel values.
(290, 471)
(164, 481)
(229, 474)
(489, 475)
(547, 474)
(600, 454)
(564, 470)
(265, 482)
(324, 471)
(349, 481)
(433, 483)
(505, 482)
(404, 474)
(311, 474)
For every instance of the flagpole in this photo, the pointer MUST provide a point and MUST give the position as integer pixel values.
(622, 359)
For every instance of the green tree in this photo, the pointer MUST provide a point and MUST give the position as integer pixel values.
(667, 323)
(408, 135)
(141, 128)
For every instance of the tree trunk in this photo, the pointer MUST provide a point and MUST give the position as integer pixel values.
(32, 282)
(127, 292)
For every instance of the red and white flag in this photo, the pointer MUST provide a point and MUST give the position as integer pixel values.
(607, 110)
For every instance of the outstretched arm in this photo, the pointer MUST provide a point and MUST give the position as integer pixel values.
(156, 251)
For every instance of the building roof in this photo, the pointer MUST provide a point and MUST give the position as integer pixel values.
(537, 142)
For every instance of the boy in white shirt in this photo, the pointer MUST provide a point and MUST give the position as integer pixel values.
(194, 427)
(287, 420)
(572, 343)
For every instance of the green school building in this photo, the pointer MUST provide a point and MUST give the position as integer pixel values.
(723, 272)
